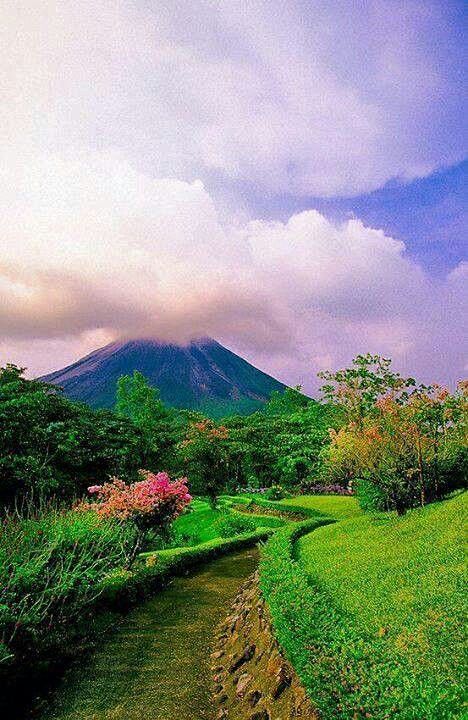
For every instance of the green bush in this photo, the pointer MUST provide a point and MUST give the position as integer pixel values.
(276, 492)
(51, 566)
(231, 524)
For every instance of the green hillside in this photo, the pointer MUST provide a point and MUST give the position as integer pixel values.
(395, 588)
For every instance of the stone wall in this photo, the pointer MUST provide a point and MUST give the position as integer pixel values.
(252, 679)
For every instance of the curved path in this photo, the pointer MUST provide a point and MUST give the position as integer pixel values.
(156, 665)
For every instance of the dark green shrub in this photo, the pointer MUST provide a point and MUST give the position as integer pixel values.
(233, 524)
(370, 496)
(276, 492)
(51, 565)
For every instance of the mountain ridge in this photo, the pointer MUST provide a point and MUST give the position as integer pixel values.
(199, 375)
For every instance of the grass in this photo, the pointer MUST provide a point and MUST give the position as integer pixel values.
(200, 524)
(336, 506)
(158, 664)
(388, 611)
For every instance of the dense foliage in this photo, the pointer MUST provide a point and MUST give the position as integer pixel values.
(397, 443)
(205, 454)
(402, 445)
(52, 446)
(52, 563)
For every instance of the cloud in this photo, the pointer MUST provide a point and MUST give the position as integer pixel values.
(301, 97)
(124, 123)
(92, 249)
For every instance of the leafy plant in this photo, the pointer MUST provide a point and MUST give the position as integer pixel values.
(152, 503)
(52, 563)
(232, 524)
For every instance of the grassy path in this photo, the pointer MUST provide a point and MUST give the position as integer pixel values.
(157, 664)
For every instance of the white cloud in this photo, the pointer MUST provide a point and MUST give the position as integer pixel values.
(111, 112)
(315, 98)
(92, 249)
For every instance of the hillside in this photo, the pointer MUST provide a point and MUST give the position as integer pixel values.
(394, 589)
(202, 375)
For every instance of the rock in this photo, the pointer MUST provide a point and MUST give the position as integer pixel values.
(253, 697)
(247, 655)
(260, 715)
(282, 681)
(242, 684)
(259, 656)
(246, 636)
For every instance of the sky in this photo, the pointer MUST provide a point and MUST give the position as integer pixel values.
(286, 177)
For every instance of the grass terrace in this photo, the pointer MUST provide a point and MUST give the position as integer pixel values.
(371, 610)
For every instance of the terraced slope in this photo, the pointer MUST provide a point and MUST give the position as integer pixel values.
(395, 592)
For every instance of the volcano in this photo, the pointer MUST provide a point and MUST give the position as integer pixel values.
(201, 375)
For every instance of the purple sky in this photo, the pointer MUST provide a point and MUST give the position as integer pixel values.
(287, 177)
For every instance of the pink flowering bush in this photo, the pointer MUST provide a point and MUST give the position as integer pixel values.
(153, 502)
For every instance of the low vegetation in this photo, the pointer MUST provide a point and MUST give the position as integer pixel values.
(60, 568)
(376, 591)
(52, 564)
(203, 522)
(335, 506)
(371, 611)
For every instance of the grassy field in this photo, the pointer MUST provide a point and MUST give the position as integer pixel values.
(336, 506)
(396, 591)
(201, 523)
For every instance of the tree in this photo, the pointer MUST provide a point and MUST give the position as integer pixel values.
(406, 451)
(50, 445)
(206, 456)
(140, 402)
(356, 389)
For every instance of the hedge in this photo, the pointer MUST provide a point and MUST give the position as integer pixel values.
(294, 607)
(157, 567)
(256, 503)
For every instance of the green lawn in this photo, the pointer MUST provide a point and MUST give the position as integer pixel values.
(396, 585)
(200, 524)
(335, 506)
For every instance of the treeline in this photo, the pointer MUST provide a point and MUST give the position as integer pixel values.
(52, 446)
(395, 443)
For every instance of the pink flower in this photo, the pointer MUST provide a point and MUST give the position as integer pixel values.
(153, 501)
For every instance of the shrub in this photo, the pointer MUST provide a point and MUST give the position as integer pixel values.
(276, 492)
(152, 503)
(51, 565)
(233, 524)
(412, 450)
